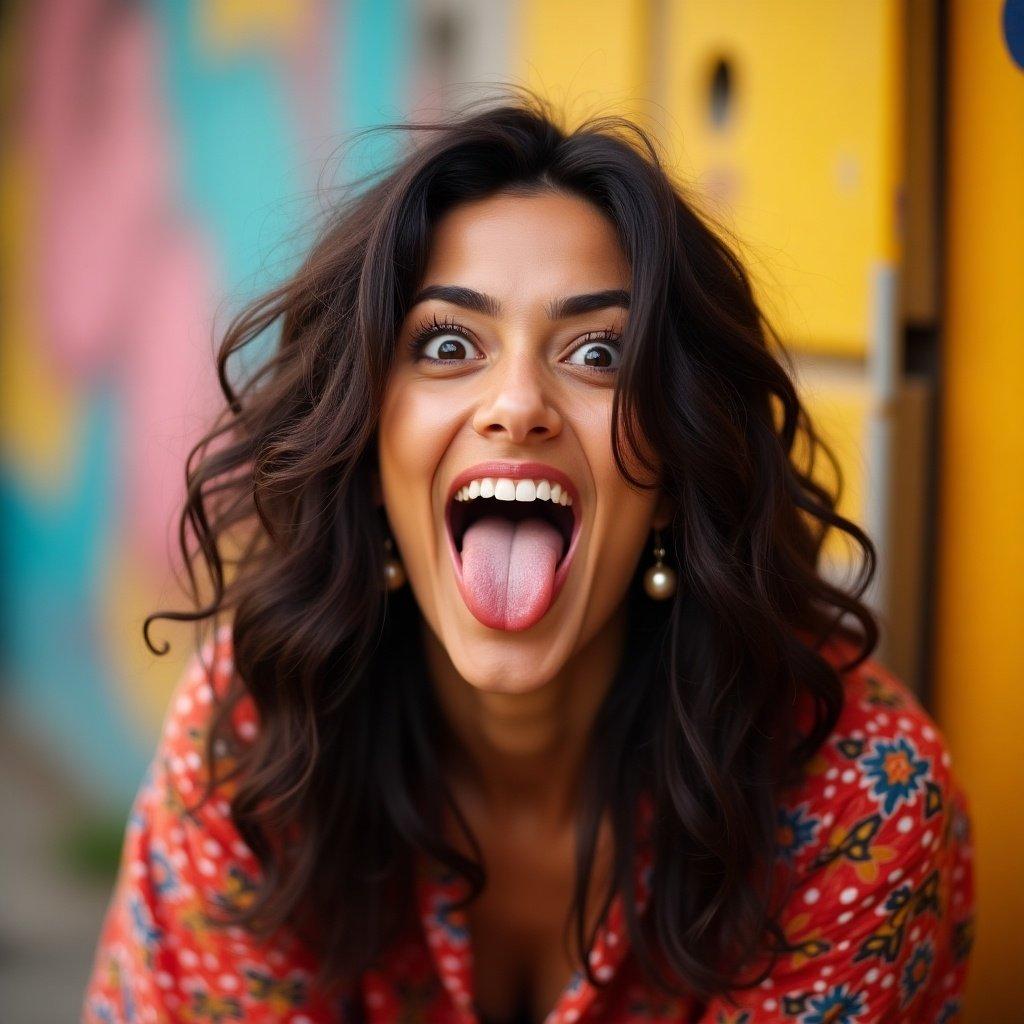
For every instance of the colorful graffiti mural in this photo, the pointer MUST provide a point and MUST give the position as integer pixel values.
(159, 163)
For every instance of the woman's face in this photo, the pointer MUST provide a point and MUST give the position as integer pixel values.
(508, 392)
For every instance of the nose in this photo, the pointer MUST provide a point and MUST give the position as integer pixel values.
(517, 406)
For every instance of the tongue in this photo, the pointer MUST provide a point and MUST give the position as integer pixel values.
(508, 570)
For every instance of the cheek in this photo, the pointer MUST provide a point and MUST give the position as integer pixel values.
(627, 532)
(397, 425)
(623, 513)
(415, 429)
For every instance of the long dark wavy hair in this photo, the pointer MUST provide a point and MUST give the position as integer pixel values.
(342, 787)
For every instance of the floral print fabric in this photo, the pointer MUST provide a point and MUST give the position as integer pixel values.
(877, 837)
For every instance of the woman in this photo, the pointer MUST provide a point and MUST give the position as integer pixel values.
(603, 747)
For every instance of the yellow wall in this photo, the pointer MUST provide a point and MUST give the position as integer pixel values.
(980, 633)
(807, 168)
(808, 165)
(587, 58)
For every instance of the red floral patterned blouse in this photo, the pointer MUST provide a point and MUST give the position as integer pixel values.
(878, 832)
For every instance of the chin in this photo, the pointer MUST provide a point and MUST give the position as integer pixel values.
(505, 675)
(508, 662)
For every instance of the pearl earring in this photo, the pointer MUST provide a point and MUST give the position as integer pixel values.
(659, 580)
(394, 571)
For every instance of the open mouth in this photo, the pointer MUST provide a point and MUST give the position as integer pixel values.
(512, 539)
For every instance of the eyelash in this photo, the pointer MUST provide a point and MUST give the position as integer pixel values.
(429, 329)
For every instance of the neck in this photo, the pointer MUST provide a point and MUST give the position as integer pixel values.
(523, 753)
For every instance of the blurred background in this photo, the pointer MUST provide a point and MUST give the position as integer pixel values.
(159, 160)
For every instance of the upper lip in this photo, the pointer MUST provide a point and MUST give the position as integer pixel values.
(515, 471)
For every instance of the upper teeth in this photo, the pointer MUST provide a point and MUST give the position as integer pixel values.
(505, 489)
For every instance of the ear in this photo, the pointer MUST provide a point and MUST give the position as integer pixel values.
(663, 512)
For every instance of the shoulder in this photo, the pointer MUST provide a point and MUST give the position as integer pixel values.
(885, 749)
(885, 769)
(881, 819)
(164, 949)
(190, 830)
(202, 685)
(874, 851)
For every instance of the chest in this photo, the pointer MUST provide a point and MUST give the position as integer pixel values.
(521, 953)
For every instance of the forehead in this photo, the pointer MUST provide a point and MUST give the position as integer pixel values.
(545, 244)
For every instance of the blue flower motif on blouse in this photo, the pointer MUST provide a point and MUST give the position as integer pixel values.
(916, 971)
(838, 1006)
(128, 1001)
(146, 932)
(165, 878)
(102, 1011)
(575, 983)
(795, 829)
(950, 1008)
(137, 813)
(896, 772)
(897, 898)
(456, 932)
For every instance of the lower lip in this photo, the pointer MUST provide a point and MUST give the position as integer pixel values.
(561, 573)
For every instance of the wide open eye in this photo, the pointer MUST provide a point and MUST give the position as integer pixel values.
(447, 347)
(443, 341)
(598, 353)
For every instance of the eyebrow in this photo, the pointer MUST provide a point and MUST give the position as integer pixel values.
(557, 309)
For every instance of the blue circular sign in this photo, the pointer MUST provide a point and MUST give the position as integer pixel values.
(1013, 29)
